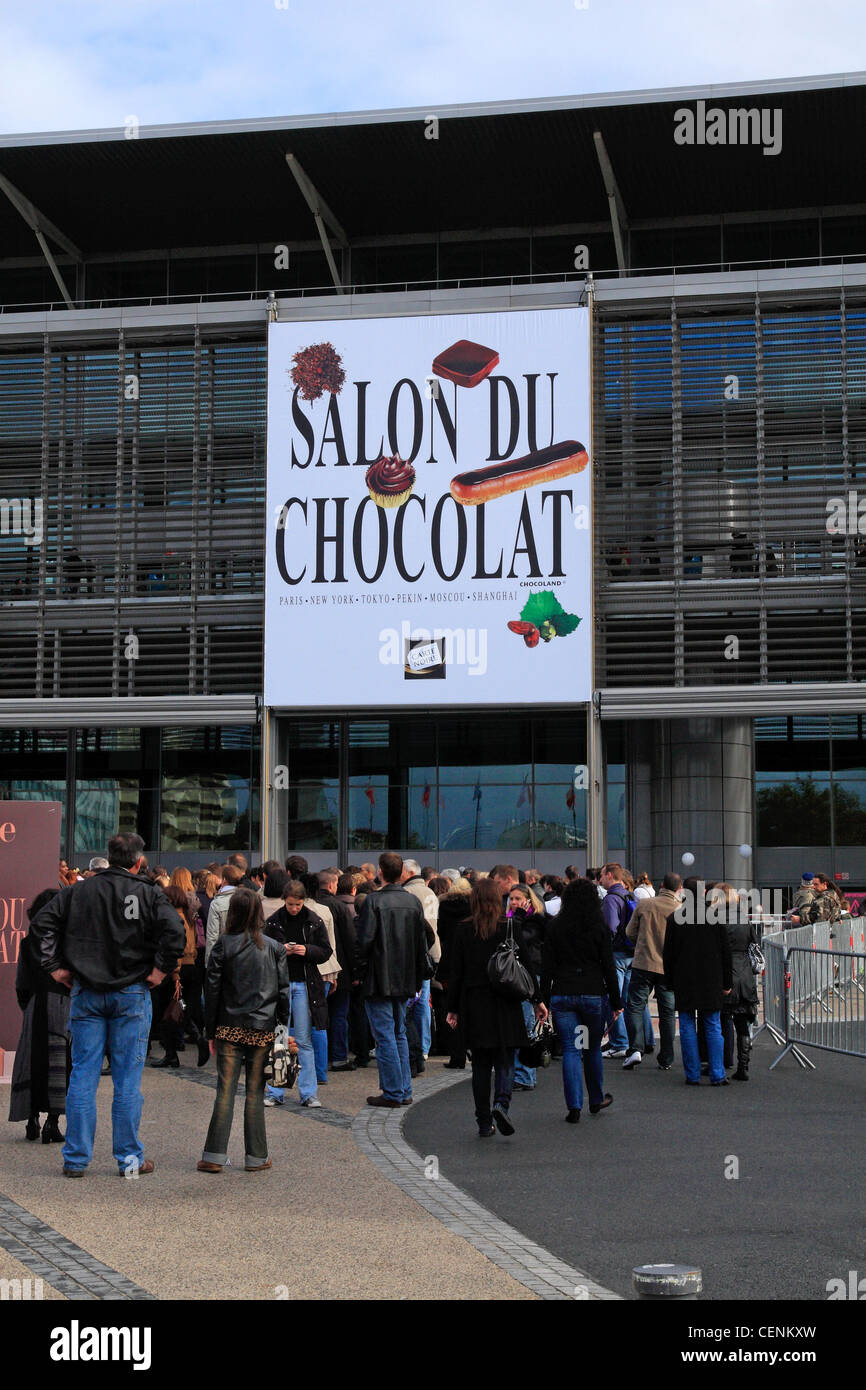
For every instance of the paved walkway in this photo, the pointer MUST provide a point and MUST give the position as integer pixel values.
(325, 1222)
(652, 1179)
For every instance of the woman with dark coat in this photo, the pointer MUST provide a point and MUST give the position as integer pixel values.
(493, 1026)
(304, 937)
(40, 1073)
(740, 1007)
(454, 911)
(577, 972)
(246, 995)
(697, 967)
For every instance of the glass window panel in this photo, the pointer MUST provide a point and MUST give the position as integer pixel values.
(211, 810)
(558, 824)
(849, 810)
(500, 749)
(313, 815)
(473, 817)
(559, 742)
(196, 751)
(311, 749)
(109, 806)
(33, 768)
(795, 812)
(392, 746)
(368, 813)
(616, 806)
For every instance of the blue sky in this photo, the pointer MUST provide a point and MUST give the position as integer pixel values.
(73, 64)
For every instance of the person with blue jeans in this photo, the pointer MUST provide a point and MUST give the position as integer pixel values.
(521, 910)
(617, 909)
(109, 939)
(698, 968)
(305, 938)
(390, 964)
(578, 977)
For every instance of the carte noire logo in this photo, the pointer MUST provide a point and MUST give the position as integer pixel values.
(737, 126)
(77, 1343)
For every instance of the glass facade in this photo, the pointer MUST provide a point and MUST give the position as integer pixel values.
(442, 785)
(186, 791)
(810, 791)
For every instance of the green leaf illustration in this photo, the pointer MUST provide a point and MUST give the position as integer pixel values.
(545, 607)
(564, 623)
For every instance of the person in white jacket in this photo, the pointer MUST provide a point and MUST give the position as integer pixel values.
(643, 887)
(218, 910)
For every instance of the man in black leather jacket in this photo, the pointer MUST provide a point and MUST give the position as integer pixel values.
(110, 939)
(390, 963)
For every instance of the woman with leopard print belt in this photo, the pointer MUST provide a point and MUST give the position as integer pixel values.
(247, 992)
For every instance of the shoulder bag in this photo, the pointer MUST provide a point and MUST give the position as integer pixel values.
(508, 977)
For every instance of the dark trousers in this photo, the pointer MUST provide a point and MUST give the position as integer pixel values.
(640, 988)
(171, 1034)
(359, 1028)
(230, 1057)
(442, 1042)
(500, 1063)
(338, 1025)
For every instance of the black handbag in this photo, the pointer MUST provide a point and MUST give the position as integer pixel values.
(537, 1051)
(508, 977)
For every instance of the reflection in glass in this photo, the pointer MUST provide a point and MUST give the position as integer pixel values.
(368, 813)
(849, 811)
(313, 815)
(795, 812)
(104, 807)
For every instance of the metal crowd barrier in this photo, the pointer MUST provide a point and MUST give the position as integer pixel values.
(814, 991)
(827, 1009)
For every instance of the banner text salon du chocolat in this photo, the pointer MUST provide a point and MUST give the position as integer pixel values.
(428, 511)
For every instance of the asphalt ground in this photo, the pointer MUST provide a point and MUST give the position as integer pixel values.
(644, 1182)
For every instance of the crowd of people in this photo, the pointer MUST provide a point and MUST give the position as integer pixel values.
(392, 961)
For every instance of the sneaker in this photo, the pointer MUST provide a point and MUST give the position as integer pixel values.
(269, 1101)
(519, 1086)
(664, 1066)
(501, 1120)
(615, 1052)
(311, 1103)
(74, 1172)
(634, 1059)
(485, 1131)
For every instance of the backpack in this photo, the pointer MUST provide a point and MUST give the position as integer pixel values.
(626, 907)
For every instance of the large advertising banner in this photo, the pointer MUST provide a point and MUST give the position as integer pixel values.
(29, 856)
(429, 511)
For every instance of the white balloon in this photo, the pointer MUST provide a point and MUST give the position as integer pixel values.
(688, 858)
(746, 851)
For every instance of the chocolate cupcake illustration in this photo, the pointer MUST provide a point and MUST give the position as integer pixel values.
(390, 481)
